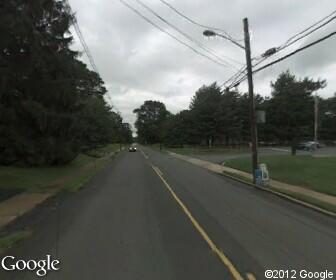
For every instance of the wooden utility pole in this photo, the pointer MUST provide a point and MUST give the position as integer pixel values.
(253, 123)
(316, 117)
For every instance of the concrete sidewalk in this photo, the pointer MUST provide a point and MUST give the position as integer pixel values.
(16, 206)
(325, 198)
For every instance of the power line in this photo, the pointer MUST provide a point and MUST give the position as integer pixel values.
(291, 40)
(305, 35)
(195, 22)
(235, 76)
(239, 78)
(86, 48)
(170, 34)
(295, 52)
(202, 46)
(261, 60)
(224, 34)
(180, 31)
(286, 56)
(237, 83)
(81, 39)
(308, 28)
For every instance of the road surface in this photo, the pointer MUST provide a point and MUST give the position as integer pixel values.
(150, 216)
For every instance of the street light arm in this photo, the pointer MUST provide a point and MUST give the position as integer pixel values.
(211, 33)
(232, 41)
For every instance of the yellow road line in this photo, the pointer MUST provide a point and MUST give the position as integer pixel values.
(159, 171)
(236, 275)
(143, 153)
(250, 276)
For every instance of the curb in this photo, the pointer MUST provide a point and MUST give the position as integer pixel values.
(282, 195)
(8, 220)
(277, 193)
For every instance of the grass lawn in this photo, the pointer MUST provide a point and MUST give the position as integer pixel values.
(9, 241)
(70, 176)
(206, 150)
(103, 151)
(306, 171)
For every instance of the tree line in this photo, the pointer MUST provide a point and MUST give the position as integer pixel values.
(52, 106)
(217, 116)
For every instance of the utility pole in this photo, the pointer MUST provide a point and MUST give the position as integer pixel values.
(253, 121)
(316, 117)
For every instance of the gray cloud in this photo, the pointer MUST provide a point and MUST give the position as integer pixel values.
(138, 62)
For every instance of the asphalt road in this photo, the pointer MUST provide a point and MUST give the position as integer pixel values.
(135, 222)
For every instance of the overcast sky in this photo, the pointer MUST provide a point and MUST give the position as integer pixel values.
(138, 62)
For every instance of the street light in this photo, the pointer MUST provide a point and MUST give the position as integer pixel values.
(253, 123)
(211, 33)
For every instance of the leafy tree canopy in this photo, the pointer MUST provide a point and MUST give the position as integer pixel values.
(150, 121)
(51, 105)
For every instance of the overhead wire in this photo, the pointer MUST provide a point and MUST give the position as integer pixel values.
(285, 57)
(237, 81)
(225, 34)
(85, 46)
(235, 76)
(81, 38)
(308, 28)
(295, 52)
(295, 38)
(195, 22)
(170, 34)
(306, 34)
(190, 38)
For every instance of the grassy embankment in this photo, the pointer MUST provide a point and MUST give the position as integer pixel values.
(313, 173)
(199, 150)
(69, 177)
(13, 238)
(306, 171)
